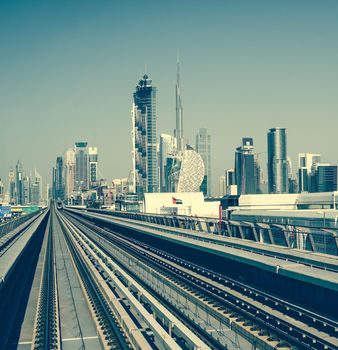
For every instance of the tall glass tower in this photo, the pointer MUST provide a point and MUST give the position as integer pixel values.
(145, 136)
(166, 158)
(19, 184)
(11, 181)
(81, 166)
(93, 169)
(245, 167)
(277, 161)
(203, 147)
(59, 179)
(179, 114)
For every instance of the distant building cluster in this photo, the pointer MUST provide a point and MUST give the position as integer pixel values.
(23, 188)
(77, 180)
(247, 178)
(76, 175)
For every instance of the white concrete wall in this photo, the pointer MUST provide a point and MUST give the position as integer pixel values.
(268, 201)
(285, 201)
(192, 204)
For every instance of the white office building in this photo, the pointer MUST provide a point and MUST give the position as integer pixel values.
(69, 162)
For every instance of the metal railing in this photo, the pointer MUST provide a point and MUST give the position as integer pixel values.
(9, 226)
(320, 240)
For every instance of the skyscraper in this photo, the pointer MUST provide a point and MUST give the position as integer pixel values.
(203, 147)
(292, 182)
(289, 167)
(307, 165)
(308, 160)
(19, 184)
(59, 182)
(93, 171)
(36, 188)
(35, 193)
(69, 166)
(258, 176)
(187, 168)
(166, 155)
(230, 178)
(81, 166)
(144, 133)
(245, 167)
(179, 113)
(230, 181)
(47, 194)
(11, 184)
(326, 178)
(27, 194)
(277, 161)
(139, 159)
(222, 185)
(303, 179)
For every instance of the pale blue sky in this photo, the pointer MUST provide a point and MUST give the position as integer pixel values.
(68, 70)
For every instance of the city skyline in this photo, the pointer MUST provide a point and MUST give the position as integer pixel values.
(168, 174)
(222, 90)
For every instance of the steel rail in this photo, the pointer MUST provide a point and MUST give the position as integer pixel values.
(114, 336)
(259, 295)
(46, 332)
(164, 336)
(280, 325)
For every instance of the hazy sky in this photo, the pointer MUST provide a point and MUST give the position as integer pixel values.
(68, 70)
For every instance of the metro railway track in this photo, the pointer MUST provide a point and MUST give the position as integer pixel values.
(289, 308)
(280, 327)
(164, 331)
(112, 332)
(63, 256)
(47, 330)
(213, 343)
(46, 333)
(311, 318)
